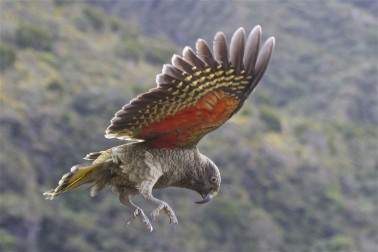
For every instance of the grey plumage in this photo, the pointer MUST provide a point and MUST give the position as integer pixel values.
(135, 168)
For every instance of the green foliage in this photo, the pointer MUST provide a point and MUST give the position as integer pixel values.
(55, 85)
(159, 50)
(341, 243)
(116, 24)
(271, 119)
(95, 17)
(129, 46)
(49, 58)
(28, 35)
(7, 56)
(63, 2)
(8, 241)
(263, 98)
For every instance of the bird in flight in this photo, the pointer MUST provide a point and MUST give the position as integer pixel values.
(195, 94)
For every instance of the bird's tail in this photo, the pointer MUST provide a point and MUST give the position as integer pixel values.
(78, 176)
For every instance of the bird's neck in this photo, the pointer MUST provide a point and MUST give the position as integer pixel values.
(183, 169)
(191, 173)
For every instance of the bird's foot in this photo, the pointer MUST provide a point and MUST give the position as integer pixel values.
(139, 213)
(167, 210)
(50, 195)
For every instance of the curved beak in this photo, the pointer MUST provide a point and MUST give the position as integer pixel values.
(206, 199)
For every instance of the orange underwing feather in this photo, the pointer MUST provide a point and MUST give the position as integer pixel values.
(196, 94)
(191, 123)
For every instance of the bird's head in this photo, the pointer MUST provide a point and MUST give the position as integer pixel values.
(211, 180)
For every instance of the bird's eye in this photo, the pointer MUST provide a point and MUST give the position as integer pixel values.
(213, 179)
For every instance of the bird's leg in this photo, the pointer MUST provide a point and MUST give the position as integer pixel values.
(162, 205)
(138, 212)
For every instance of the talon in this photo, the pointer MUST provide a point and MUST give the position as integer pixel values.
(168, 211)
(172, 217)
(155, 213)
(130, 220)
(140, 213)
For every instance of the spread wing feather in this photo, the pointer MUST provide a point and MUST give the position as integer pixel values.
(221, 50)
(237, 50)
(195, 94)
(204, 54)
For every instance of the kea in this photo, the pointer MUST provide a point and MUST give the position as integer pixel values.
(194, 95)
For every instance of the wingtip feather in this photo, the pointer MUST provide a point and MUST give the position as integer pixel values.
(263, 59)
(237, 49)
(204, 53)
(252, 47)
(220, 48)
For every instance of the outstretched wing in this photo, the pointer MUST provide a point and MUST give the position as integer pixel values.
(197, 93)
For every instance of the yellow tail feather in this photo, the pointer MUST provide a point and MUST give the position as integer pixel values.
(78, 176)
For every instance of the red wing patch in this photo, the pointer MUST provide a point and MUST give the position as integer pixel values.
(189, 125)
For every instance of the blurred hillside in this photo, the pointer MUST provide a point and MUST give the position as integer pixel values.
(298, 163)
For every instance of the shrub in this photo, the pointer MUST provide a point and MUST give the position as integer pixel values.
(34, 37)
(129, 49)
(341, 243)
(129, 46)
(7, 56)
(63, 2)
(115, 24)
(55, 85)
(95, 17)
(159, 51)
(271, 119)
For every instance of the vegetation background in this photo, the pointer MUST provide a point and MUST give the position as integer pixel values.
(299, 162)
